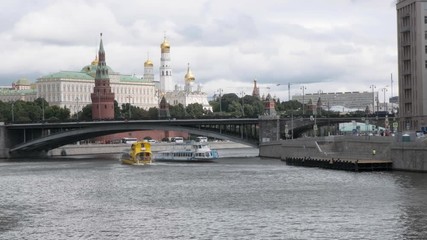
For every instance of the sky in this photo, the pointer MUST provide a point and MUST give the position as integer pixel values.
(327, 46)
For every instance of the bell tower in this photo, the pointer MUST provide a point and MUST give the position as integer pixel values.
(102, 97)
(166, 81)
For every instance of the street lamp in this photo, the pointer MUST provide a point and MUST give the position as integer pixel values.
(384, 91)
(303, 102)
(130, 113)
(77, 110)
(43, 109)
(373, 97)
(13, 115)
(243, 108)
(220, 99)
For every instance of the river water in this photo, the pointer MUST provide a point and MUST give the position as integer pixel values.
(238, 197)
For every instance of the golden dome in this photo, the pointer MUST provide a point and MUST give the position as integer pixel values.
(165, 45)
(148, 63)
(95, 62)
(189, 77)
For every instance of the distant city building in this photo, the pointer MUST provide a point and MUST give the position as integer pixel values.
(189, 95)
(21, 89)
(255, 91)
(412, 63)
(394, 99)
(348, 100)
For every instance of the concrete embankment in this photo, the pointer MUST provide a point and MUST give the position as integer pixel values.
(87, 149)
(407, 156)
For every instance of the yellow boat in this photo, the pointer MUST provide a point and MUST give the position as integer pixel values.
(140, 154)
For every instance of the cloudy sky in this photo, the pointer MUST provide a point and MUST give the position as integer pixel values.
(328, 45)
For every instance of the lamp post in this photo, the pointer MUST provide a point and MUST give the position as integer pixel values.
(243, 108)
(303, 102)
(384, 91)
(77, 110)
(220, 100)
(13, 114)
(130, 112)
(373, 97)
(43, 109)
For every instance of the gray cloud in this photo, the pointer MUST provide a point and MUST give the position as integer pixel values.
(274, 41)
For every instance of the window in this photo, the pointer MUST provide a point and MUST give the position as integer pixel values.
(425, 19)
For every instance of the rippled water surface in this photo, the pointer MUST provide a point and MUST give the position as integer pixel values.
(233, 198)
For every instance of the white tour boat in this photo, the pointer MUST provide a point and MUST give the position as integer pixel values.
(194, 152)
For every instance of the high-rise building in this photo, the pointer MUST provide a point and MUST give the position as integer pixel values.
(412, 63)
(339, 100)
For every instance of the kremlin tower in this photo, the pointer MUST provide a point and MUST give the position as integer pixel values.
(166, 83)
(102, 97)
(255, 91)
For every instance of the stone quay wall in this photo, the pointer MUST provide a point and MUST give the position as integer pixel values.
(406, 156)
(409, 156)
(4, 150)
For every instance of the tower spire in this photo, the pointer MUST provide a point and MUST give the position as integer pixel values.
(102, 96)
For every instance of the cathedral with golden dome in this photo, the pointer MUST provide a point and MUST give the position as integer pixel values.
(188, 95)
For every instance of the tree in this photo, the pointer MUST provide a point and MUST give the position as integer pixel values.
(55, 113)
(153, 113)
(227, 100)
(195, 110)
(86, 113)
(177, 111)
(235, 108)
(117, 112)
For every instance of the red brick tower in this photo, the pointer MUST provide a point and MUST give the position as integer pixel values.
(102, 97)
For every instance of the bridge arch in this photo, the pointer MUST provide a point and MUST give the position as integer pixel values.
(71, 134)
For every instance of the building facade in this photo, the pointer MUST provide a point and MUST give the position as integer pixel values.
(412, 63)
(350, 100)
(21, 89)
(191, 94)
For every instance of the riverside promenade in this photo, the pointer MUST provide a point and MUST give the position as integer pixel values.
(406, 156)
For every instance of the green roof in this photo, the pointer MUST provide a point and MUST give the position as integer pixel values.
(13, 91)
(69, 75)
(130, 78)
(22, 81)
